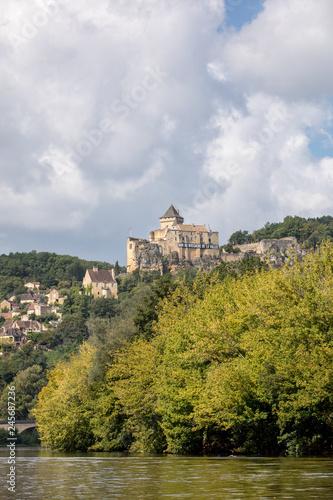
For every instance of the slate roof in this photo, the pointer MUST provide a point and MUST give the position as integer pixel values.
(171, 212)
(26, 296)
(12, 332)
(22, 325)
(103, 275)
(8, 324)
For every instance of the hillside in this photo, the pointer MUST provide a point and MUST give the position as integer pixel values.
(309, 232)
(48, 268)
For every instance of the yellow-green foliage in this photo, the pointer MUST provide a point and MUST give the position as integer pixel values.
(65, 405)
(239, 364)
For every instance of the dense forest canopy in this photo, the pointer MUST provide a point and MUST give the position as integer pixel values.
(232, 363)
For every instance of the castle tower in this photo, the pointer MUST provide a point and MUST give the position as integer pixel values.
(171, 218)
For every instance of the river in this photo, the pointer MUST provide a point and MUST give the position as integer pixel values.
(42, 474)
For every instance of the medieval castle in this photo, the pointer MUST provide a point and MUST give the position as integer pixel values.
(174, 242)
(177, 245)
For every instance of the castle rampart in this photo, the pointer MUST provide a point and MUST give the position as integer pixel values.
(177, 246)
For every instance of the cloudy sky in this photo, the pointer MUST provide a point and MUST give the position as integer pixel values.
(113, 109)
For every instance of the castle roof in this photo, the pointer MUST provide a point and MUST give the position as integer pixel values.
(171, 212)
(192, 227)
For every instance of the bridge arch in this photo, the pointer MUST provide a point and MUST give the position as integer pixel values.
(20, 425)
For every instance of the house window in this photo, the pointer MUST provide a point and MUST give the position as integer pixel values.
(130, 246)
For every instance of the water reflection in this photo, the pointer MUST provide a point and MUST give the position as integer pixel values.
(51, 475)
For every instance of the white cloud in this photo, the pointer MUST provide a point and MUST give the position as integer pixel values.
(286, 50)
(260, 166)
(115, 107)
(69, 67)
(65, 178)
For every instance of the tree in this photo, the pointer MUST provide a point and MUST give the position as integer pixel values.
(240, 237)
(66, 405)
(147, 313)
(28, 383)
(132, 381)
(73, 328)
(19, 360)
(117, 269)
(103, 307)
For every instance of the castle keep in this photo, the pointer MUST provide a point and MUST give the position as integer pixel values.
(174, 241)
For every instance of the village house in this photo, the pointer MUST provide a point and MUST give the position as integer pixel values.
(39, 309)
(33, 285)
(16, 312)
(52, 296)
(31, 309)
(29, 326)
(28, 298)
(9, 306)
(100, 283)
(7, 316)
(24, 327)
(13, 336)
(14, 332)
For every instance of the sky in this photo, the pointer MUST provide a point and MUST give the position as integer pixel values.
(112, 110)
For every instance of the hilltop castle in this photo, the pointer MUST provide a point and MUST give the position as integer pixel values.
(174, 241)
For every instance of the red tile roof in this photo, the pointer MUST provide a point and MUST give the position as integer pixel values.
(7, 315)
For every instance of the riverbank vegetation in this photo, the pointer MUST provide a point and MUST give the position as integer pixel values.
(232, 361)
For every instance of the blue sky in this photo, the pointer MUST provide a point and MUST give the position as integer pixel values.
(112, 110)
(240, 12)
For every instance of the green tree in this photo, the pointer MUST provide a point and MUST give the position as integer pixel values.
(72, 329)
(103, 307)
(28, 383)
(147, 313)
(240, 237)
(65, 406)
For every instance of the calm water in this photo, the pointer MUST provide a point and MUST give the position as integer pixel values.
(42, 474)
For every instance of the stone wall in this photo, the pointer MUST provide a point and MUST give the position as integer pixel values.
(149, 257)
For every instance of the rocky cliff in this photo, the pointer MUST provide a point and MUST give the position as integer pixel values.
(149, 258)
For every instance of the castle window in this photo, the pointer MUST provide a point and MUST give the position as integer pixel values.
(130, 246)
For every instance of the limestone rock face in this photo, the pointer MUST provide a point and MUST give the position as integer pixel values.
(149, 257)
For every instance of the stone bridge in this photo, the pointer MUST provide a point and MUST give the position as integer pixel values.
(20, 425)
